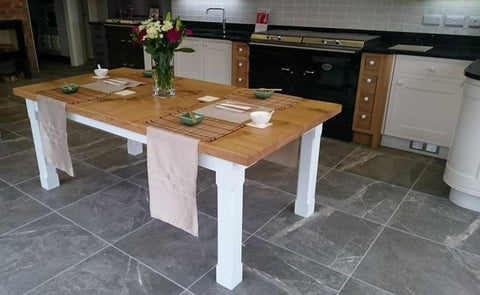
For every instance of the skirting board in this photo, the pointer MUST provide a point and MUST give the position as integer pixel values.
(404, 144)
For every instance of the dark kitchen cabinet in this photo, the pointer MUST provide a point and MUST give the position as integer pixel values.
(121, 52)
(99, 45)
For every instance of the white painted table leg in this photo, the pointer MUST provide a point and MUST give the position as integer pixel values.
(307, 172)
(134, 147)
(48, 174)
(230, 178)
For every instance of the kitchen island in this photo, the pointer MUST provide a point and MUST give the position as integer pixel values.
(228, 156)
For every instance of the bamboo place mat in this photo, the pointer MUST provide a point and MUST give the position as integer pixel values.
(82, 95)
(208, 130)
(276, 101)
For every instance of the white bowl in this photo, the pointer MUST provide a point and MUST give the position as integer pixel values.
(260, 118)
(101, 72)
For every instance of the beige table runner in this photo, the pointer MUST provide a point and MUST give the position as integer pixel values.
(172, 161)
(52, 117)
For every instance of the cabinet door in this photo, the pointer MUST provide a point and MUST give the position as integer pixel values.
(423, 109)
(190, 65)
(217, 62)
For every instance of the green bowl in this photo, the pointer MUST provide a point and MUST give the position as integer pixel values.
(262, 94)
(147, 73)
(65, 89)
(187, 120)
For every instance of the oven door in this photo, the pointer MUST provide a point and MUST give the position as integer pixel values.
(271, 67)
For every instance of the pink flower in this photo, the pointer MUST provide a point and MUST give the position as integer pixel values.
(188, 32)
(173, 36)
(134, 28)
(142, 34)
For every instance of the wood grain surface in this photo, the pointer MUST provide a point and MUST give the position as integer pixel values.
(244, 146)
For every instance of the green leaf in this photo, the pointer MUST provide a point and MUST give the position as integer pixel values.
(168, 16)
(185, 49)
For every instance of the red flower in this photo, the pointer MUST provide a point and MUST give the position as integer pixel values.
(173, 36)
(134, 28)
(188, 32)
(142, 34)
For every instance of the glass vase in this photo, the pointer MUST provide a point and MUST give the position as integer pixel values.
(163, 75)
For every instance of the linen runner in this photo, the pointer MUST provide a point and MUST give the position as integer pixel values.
(172, 161)
(52, 118)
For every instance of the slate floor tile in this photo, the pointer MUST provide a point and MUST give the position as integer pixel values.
(87, 180)
(439, 220)
(112, 213)
(383, 166)
(173, 252)
(13, 113)
(109, 272)
(205, 178)
(403, 264)
(356, 287)
(431, 182)
(34, 253)
(332, 151)
(333, 238)
(260, 203)
(119, 162)
(11, 143)
(17, 209)
(3, 185)
(92, 142)
(268, 269)
(278, 176)
(361, 196)
(19, 167)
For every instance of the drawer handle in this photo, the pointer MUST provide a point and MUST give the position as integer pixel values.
(240, 64)
(372, 62)
(239, 79)
(285, 69)
(240, 49)
(400, 82)
(369, 80)
(432, 69)
(363, 117)
(365, 99)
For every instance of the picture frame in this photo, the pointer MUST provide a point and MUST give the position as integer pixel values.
(153, 12)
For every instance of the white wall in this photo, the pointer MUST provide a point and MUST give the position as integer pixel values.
(384, 15)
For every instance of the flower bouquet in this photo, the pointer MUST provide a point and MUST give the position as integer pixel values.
(161, 39)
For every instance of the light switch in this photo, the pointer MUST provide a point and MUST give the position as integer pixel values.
(454, 20)
(432, 19)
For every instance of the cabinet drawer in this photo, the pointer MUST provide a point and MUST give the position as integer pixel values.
(372, 63)
(368, 83)
(431, 67)
(363, 120)
(240, 49)
(240, 65)
(365, 102)
(240, 80)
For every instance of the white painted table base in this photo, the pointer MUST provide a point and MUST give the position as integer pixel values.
(229, 179)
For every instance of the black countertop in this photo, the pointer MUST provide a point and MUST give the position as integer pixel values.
(444, 46)
(473, 70)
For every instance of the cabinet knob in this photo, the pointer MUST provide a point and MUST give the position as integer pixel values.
(240, 64)
(205, 45)
(432, 69)
(369, 80)
(239, 79)
(372, 62)
(400, 82)
(366, 98)
(240, 49)
(195, 44)
(363, 117)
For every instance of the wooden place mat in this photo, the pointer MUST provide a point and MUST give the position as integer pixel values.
(208, 130)
(276, 101)
(82, 95)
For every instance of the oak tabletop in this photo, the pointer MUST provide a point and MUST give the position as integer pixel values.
(244, 146)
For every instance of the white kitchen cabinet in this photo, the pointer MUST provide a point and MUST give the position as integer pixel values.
(211, 61)
(425, 98)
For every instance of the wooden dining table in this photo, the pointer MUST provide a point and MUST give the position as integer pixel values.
(228, 156)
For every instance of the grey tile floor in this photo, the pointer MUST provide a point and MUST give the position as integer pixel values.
(382, 223)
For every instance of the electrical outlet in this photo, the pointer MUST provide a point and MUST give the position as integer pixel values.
(432, 19)
(455, 20)
(474, 22)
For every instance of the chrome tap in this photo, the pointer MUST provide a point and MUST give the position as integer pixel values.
(224, 19)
